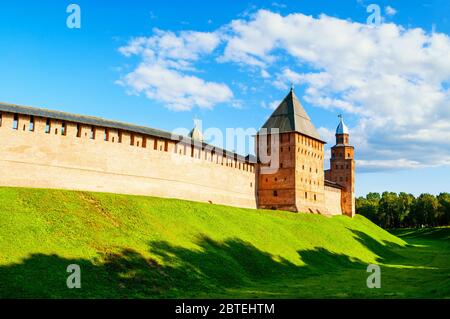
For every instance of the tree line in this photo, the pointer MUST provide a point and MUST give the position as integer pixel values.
(392, 210)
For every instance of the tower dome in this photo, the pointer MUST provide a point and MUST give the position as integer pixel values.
(342, 128)
(196, 133)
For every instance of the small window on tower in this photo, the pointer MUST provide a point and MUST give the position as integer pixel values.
(31, 128)
(78, 130)
(16, 122)
(63, 128)
(47, 126)
(275, 193)
(92, 135)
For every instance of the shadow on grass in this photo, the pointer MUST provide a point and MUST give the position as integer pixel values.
(385, 250)
(441, 233)
(211, 270)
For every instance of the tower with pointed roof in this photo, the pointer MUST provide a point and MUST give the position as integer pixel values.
(342, 168)
(196, 134)
(290, 140)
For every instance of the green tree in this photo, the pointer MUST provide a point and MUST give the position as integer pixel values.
(373, 197)
(444, 208)
(368, 207)
(405, 203)
(388, 210)
(425, 210)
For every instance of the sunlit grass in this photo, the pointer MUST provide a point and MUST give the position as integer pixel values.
(145, 247)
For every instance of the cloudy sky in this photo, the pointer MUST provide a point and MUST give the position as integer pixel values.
(229, 63)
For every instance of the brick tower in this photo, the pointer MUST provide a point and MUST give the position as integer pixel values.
(294, 178)
(342, 168)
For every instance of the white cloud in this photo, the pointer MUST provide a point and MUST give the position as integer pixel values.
(327, 135)
(162, 73)
(237, 104)
(392, 79)
(180, 92)
(168, 47)
(376, 165)
(278, 5)
(390, 11)
(271, 106)
(265, 74)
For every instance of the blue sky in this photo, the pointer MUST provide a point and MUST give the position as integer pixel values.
(229, 62)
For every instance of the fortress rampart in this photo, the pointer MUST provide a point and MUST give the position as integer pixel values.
(50, 149)
(56, 151)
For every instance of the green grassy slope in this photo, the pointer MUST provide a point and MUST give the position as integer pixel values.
(133, 246)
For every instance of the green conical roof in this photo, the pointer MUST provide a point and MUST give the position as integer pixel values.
(290, 116)
(195, 133)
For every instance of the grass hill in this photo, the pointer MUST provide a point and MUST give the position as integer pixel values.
(145, 247)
